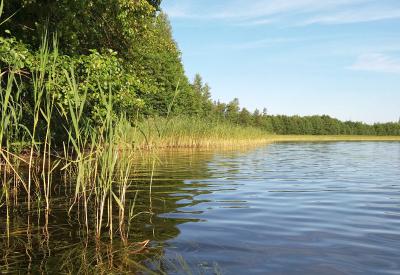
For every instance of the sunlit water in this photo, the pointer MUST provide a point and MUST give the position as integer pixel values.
(286, 208)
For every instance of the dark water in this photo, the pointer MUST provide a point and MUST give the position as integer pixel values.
(286, 208)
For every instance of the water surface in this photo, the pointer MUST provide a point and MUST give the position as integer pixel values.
(285, 208)
(331, 208)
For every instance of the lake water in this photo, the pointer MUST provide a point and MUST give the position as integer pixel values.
(285, 208)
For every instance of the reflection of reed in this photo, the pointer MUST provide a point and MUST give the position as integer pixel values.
(58, 240)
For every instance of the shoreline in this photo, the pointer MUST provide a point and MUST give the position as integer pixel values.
(211, 143)
(193, 143)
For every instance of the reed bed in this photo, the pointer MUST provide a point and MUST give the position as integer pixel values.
(188, 132)
(94, 161)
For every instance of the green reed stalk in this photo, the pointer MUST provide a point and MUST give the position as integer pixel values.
(99, 158)
(77, 138)
(48, 165)
(39, 85)
(11, 130)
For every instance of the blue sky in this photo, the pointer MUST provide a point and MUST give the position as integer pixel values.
(335, 57)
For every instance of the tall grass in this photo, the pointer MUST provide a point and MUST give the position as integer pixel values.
(10, 130)
(96, 162)
(189, 132)
(100, 162)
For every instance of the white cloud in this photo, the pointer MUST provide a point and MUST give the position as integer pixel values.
(267, 21)
(377, 62)
(355, 16)
(240, 9)
(181, 10)
(295, 12)
(263, 43)
(265, 8)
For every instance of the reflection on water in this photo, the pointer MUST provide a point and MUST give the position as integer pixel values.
(286, 208)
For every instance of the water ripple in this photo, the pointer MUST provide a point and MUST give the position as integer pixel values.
(291, 208)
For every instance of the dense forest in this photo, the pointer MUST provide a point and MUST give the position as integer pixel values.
(126, 49)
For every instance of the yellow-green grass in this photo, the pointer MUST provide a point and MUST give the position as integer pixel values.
(193, 141)
(184, 132)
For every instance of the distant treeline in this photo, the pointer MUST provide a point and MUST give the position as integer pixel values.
(324, 125)
(293, 125)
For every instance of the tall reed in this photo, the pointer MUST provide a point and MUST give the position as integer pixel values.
(191, 132)
(100, 159)
(97, 159)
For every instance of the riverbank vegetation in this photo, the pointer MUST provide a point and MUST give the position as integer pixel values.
(85, 85)
(125, 50)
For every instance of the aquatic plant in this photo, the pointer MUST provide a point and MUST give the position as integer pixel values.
(90, 152)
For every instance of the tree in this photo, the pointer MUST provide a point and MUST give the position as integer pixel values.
(219, 110)
(155, 3)
(265, 112)
(232, 110)
(156, 59)
(203, 103)
(245, 117)
(257, 118)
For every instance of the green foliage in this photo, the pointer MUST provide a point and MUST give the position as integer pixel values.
(203, 104)
(323, 125)
(232, 111)
(157, 61)
(14, 54)
(104, 73)
(95, 74)
(245, 117)
(155, 3)
(120, 46)
(82, 25)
